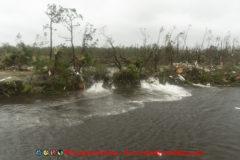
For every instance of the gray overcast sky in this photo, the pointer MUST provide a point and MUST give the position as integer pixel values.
(124, 18)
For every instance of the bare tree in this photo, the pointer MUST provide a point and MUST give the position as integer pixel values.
(233, 44)
(40, 41)
(207, 31)
(54, 14)
(227, 40)
(145, 36)
(177, 40)
(186, 35)
(209, 38)
(218, 41)
(168, 36)
(70, 19)
(169, 51)
(88, 37)
(110, 41)
(159, 35)
(116, 61)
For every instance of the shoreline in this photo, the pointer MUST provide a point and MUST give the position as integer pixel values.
(23, 83)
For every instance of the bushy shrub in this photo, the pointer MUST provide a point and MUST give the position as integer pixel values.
(131, 75)
(11, 87)
(217, 78)
(10, 59)
(28, 89)
(61, 79)
(39, 64)
(17, 56)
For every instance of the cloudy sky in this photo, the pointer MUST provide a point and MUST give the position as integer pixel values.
(124, 18)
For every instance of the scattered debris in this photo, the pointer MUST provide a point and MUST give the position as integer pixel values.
(49, 73)
(4, 79)
(180, 70)
(224, 79)
(81, 85)
(181, 77)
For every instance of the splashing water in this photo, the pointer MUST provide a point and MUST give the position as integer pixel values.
(97, 88)
(95, 101)
(165, 92)
(203, 86)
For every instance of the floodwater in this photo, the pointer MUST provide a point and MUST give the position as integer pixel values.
(151, 117)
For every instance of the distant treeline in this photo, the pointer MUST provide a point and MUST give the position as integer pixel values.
(173, 49)
(25, 54)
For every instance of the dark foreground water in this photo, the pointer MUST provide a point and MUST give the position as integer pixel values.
(208, 121)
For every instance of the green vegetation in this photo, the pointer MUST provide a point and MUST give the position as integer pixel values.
(128, 76)
(14, 87)
(71, 67)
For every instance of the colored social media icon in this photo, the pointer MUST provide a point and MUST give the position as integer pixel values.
(38, 152)
(45, 152)
(53, 153)
(60, 152)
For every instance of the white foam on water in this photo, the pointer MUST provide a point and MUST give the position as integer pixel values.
(97, 88)
(113, 87)
(4, 79)
(95, 91)
(137, 102)
(120, 108)
(237, 108)
(25, 116)
(203, 86)
(21, 117)
(170, 92)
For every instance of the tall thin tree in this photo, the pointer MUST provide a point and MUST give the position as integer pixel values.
(71, 20)
(54, 14)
